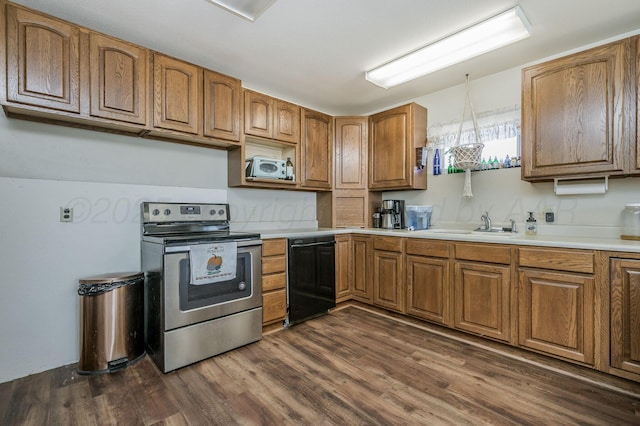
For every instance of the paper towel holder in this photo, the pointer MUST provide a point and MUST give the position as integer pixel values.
(581, 187)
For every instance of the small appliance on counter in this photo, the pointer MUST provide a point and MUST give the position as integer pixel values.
(393, 214)
(419, 217)
(261, 167)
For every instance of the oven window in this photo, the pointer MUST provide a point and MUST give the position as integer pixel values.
(198, 296)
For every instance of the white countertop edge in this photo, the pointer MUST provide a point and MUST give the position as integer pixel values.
(590, 243)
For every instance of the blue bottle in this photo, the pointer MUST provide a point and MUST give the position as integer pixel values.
(436, 163)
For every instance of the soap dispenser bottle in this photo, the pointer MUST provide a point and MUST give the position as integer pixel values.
(531, 225)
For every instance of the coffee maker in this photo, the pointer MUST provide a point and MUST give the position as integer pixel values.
(393, 214)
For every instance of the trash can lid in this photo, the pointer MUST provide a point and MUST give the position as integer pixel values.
(111, 278)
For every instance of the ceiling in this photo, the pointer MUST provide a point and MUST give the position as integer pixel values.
(315, 52)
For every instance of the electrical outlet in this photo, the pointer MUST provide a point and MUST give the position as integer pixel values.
(549, 214)
(66, 214)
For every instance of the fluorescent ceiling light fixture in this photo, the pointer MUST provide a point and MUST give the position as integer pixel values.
(498, 31)
(248, 9)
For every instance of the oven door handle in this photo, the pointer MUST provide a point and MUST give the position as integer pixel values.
(176, 249)
(242, 245)
(323, 243)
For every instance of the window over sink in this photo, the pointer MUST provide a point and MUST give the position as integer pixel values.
(499, 132)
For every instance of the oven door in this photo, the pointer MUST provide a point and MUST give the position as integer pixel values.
(186, 304)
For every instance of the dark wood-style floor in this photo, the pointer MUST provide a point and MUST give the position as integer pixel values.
(350, 367)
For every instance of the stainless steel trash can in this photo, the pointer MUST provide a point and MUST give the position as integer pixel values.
(111, 321)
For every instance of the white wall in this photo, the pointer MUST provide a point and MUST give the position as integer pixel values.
(501, 192)
(104, 177)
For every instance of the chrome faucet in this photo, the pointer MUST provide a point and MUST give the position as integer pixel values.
(513, 225)
(487, 221)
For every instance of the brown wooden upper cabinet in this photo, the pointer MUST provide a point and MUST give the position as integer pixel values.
(286, 121)
(351, 152)
(271, 118)
(575, 114)
(316, 150)
(193, 103)
(118, 74)
(394, 136)
(177, 89)
(221, 106)
(43, 61)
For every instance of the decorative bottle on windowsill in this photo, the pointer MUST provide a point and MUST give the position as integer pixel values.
(436, 163)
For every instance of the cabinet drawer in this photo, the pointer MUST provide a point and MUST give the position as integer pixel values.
(423, 247)
(274, 282)
(559, 260)
(274, 247)
(488, 253)
(273, 265)
(388, 244)
(274, 306)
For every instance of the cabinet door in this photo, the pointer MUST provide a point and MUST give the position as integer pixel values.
(388, 280)
(482, 299)
(286, 121)
(625, 314)
(177, 87)
(316, 150)
(351, 152)
(393, 137)
(221, 106)
(43, 66)
(556, 314)
(118, 73)
(362, 286)
(428, 288)
(274, 306)
(258, 114)
(574, 114)
(344, 268)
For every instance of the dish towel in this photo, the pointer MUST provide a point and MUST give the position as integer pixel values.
(212, 263)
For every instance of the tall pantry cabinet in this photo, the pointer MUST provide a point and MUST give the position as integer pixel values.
(350, 203)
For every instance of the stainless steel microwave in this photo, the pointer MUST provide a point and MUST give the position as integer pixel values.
(261, 167)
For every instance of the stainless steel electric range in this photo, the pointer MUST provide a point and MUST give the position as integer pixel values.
(203, 283)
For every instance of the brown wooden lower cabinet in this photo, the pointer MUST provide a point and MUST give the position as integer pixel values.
(362, 288)
(274, 280)
(274, 306)
(625, 314)
(388, 280)
(482, 299)
(428, 292)
(344, 267)
(556, 313)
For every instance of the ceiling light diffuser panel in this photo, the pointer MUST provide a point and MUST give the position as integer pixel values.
(493, 33)
(248, 9)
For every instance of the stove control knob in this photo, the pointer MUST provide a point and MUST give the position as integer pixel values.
(221, 212)
(155, 212)
(242, 285)
(167, 212)
(212, 212)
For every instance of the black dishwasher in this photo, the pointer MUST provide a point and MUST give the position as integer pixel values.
(311, 266)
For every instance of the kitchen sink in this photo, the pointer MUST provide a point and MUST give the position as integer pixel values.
(495, 231)
(448, 231)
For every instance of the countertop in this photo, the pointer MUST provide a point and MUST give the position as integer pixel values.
(582, 242)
